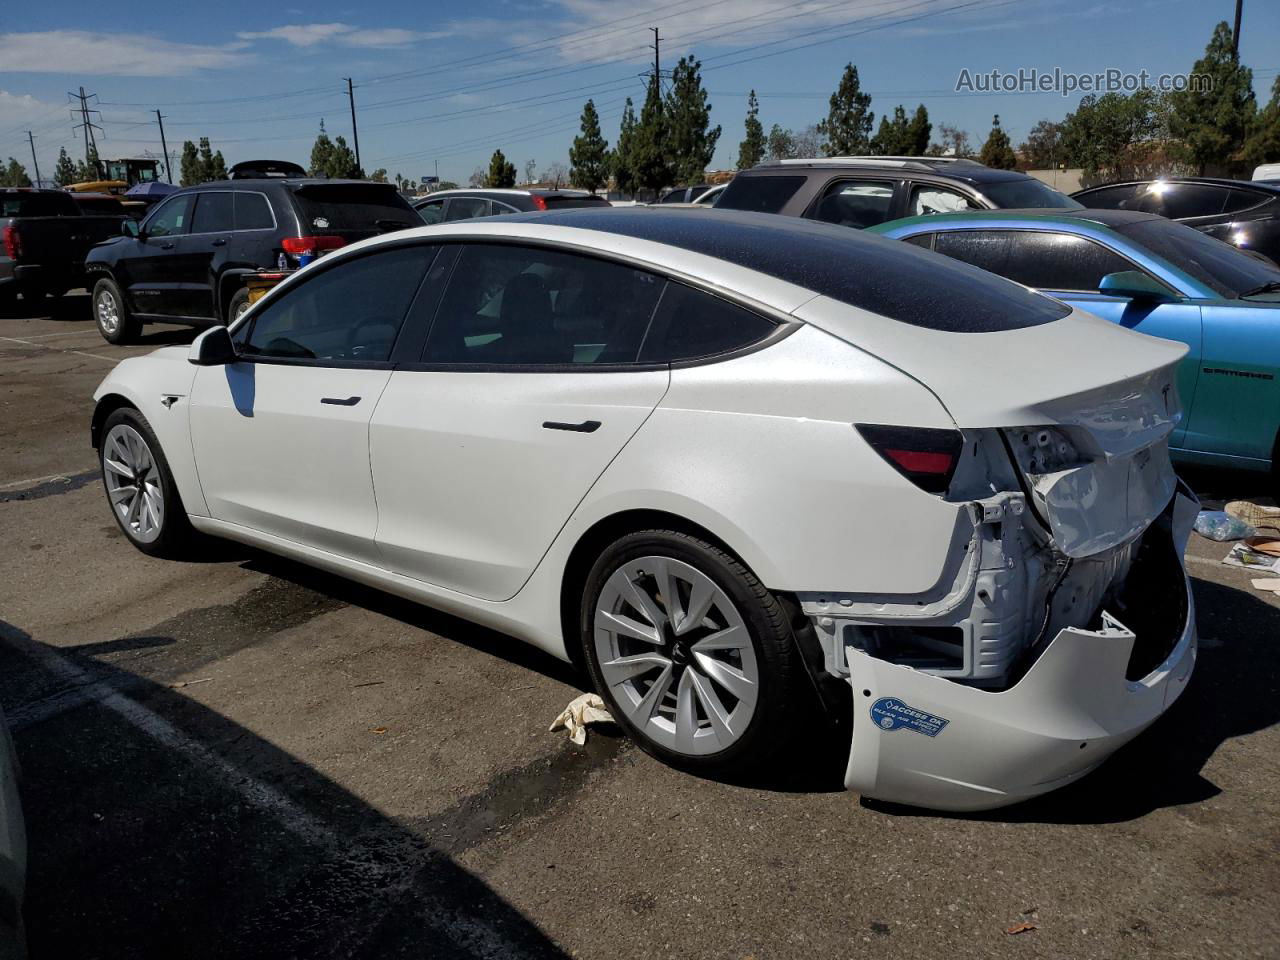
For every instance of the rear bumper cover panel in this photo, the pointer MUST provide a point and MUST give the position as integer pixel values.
(927, 741)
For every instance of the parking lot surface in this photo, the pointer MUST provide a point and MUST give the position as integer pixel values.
(247, 758)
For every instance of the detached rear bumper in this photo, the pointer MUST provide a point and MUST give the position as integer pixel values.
(926, 741)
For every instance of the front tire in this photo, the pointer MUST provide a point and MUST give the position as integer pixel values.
(694, 656)
(139, 485)
(115, 322)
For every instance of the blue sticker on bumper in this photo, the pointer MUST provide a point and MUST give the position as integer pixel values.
(892, 714)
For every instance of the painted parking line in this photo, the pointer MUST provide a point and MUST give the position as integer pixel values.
(45, 346)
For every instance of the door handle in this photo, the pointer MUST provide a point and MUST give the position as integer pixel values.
(220, 242)
(341, 402)
(586, 426)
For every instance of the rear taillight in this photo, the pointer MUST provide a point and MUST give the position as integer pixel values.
(925, 456)
(539, 202)
(12, 242)
(311, 246)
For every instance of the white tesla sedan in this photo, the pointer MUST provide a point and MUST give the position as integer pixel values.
(744, 468)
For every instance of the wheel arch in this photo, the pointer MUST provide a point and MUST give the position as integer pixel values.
(230, 281)
(107, 404)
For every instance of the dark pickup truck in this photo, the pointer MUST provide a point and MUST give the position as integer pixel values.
(44, 238)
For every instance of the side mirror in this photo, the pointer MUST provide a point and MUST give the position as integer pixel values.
(129, 227)
(213, 348)
(1134, 285)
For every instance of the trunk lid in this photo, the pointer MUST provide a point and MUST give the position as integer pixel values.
(352, 210)
(1107, 393)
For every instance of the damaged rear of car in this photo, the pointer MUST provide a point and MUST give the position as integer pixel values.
(1063, 624)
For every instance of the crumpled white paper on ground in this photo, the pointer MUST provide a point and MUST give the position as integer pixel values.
(588, 708)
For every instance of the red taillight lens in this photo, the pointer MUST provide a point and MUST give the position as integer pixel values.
(12, 243)
(539, 202)
(925, 456)
(301, 246)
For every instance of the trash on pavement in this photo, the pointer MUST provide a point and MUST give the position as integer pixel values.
(1219, 525)
(588, 708)
(1242, 555)
(1254, 514)
(1018, 928)
(1267, 545)
(1267, 583)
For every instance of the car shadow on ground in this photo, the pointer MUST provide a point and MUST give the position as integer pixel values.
(158, 827)
(1235, 691)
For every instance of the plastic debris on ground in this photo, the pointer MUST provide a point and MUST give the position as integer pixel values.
(580, 712)
(1219, 525)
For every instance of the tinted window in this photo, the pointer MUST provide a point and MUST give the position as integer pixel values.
(1239, 200)
(1025, 192)
(253, 212)
(874, 273)
(1111, 198)
(511, 305)
(214, 213)
(856, 203)
(352, 311)
(921, 240)
(926, 200)
(466, 208)
(1177, 201)
(432, 212)
(502, 208)
(692, 324)
(759, 194)
(367, 208)
(562, 202)
(1218, 265)
(1047, 261)
(38, 205)
(171, 217)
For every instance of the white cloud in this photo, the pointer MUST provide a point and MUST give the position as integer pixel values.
(313, 34)
(83, 52)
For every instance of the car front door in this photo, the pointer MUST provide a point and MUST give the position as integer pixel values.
(527, 387)
(1070, 267)
(281, 436)
(152, 286)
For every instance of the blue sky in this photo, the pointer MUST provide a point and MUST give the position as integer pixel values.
(447, 83)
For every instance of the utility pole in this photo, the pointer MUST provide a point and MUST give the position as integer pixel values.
(164, 147)
(34, 162)
(355, 133)
(1235, 34)
(657, 43)
(88, 125)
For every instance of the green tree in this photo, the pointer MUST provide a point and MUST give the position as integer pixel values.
(622, 159)
(1212, 116)
(64, 172)
(781, 144)
(90, 168)
(589, 154)
(445, 185)
(652, 160)
(502, 173)
(14, 174)
(893, 139)
(953, 142)
(379, 175)
(1042, 150)
(191, 171)
(1263, 144)
(998, 151)
(1111, 136)
(691, 139)
(212, 164)
(918, 132)
(321, 154)
(751, 149)
(848, 125)
(342, 162)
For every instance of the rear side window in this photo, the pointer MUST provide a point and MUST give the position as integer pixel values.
(1244, 199)
(509, 305)
(253, 212)
(1046, 261)
(214, 213)
(369, 208)
(691, 325)
(1179, 201)
(759, 194)
(856, 203)
(38, 205)
(466, 208)
(350, 312)
(1112, 198)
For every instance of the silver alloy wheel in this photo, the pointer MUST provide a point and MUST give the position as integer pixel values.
(676, 655)
(133, 483)
(108, 312)
(240, 311)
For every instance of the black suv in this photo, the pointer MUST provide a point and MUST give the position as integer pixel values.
(188, 261)
(1244, 213)
(864, 191)
(467, 204)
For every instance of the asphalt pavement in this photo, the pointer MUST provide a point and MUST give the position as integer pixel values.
(243, 757)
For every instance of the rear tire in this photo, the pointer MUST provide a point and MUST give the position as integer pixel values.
(111, 314)
(724, 695)
(238, 305)
(139, 485)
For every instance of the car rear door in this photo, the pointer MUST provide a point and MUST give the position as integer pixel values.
(859, 202)
(527, 387)
(281, 436)
(203, 252)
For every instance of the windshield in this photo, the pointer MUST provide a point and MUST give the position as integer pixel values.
(1214, 263)
(1026, 192)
